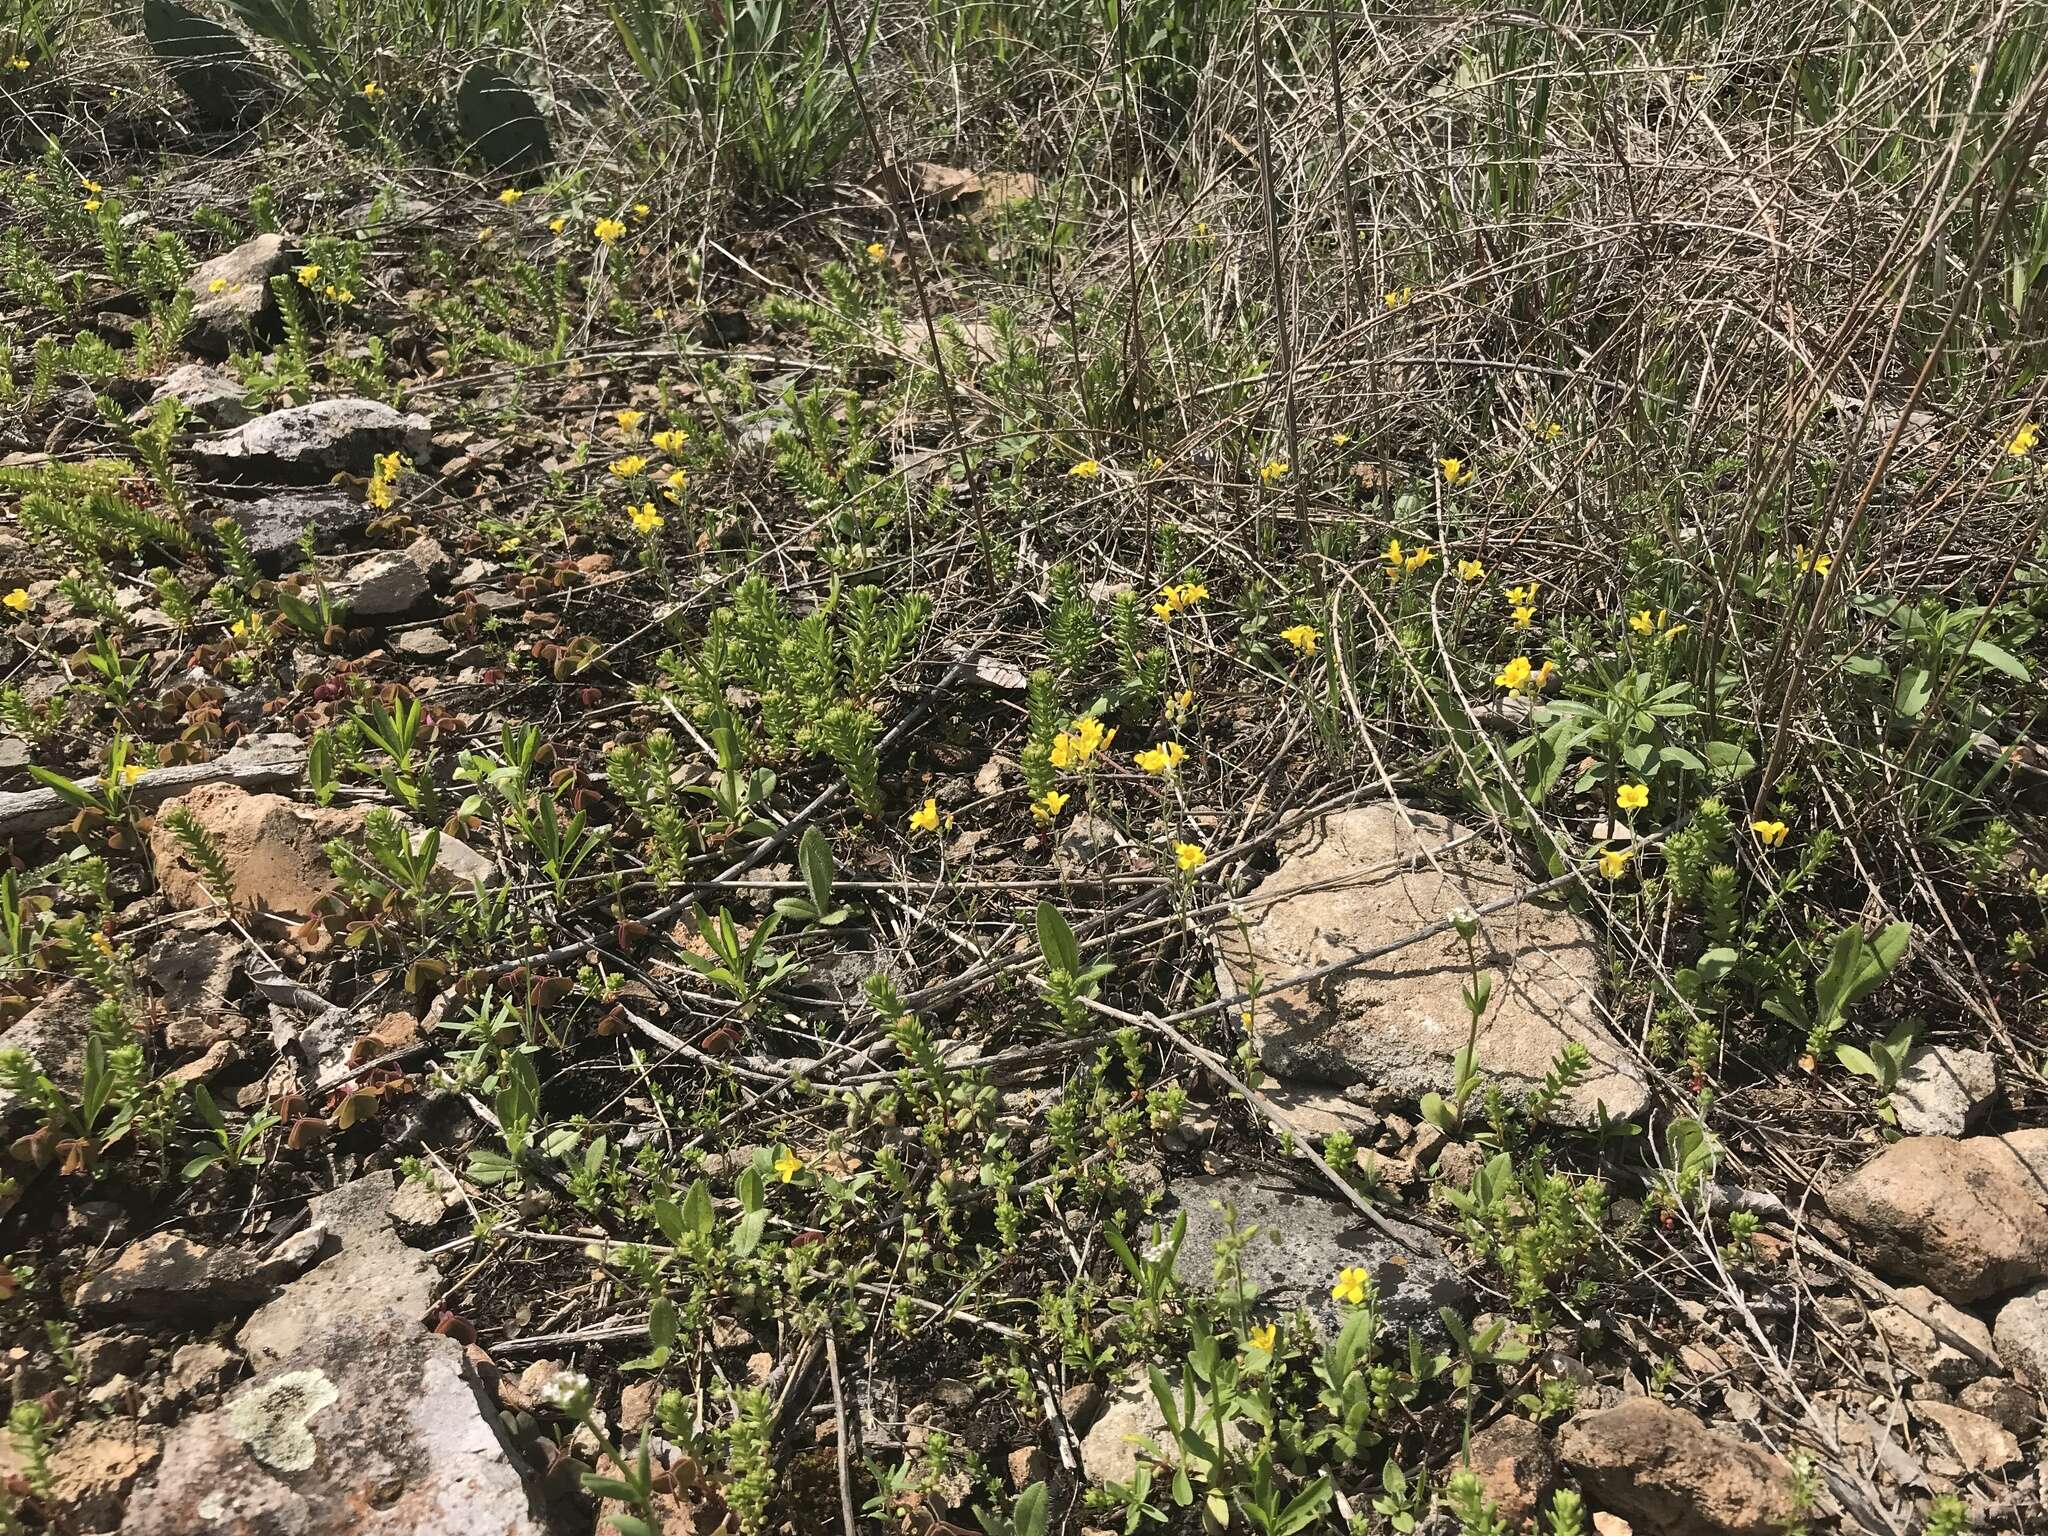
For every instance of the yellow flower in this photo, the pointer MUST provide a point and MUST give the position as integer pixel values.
(1520, 595)
(218, 285)
(1049, 805)
(1514, 676)
(1351, 1286)
(677, 479)
(1178, 707)
(1191, 593)
(2022, 441)
(1419, 559)
(1340, 438)
(383, 488)
(92, 205)
(1632, 797)
(1302, 637)
(646, 519)
(1456, 471)
(1161, 759)
(1523, 615)
(18, 600)
(1073, 747)
(1263, 1337)
(629, 420)
(510, 196)
(1087, 469)
(670, 440)
(1820, 565)
(631, 464)
(608, 230)
(558, 223)
(1272, 472)
(788, 1166)
(1540, 678)
(19, 61)
(90, 185)
(309, 274)
(926, 817)
(1471, 570)
(485, 233)
(878, 253)
(641, 210)
(1399, 297)
(372, 90)
(1642, 623)
(1771, 834)
(1614, 862)
(1188, 856)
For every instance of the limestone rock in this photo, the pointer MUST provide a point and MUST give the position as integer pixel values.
(1932, 1340)
(2021, 1334)
(2001, 1401)
(195, 970)
(52, 1034)
(1943, 1089)
(276, 526)
(1110, 1450)
(212, 397)
(309, 444)
(1518, 1466)
(168, 1278)
(1345, 887)
(1968, 1217)
(1666, 1471)
(375, 1429)
(231, 294)
(95, 1465)
(373, 1276)
(390, 583)
(200, 1370)
(1303, 1241)
(1980, 1444)
(276, 851)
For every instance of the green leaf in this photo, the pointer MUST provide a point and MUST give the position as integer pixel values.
(1028, 1514)
(1999, 659)
(1916, 687)
(697, 1215)
(1056, 940)
(1858, 1062)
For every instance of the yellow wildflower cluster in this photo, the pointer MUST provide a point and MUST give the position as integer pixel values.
(1087, 469)
(1076, 746)
(1178, 599)
(1771, 834)
(383, 488)
(926, 817)
(1614, 862)
(646, 520)
(1162, 759)
(1302, 637)
(1457, 471)
(2022, 442)
(1405, 562)
(632, 464)
(1188, 857)
(608, 230)
(629, 421)
(1049, 805)
(1656, 625)
(1518, 676)
(1273, 471)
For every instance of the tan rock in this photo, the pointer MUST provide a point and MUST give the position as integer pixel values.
(1932, 1340)
(276, 851)
(1357, 882)
(94, 1466)
(1969, 1217)
(1980, 1444)
(1516, 1463)
(1666, 1471)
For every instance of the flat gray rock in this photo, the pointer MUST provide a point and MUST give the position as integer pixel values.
(310, 444)
(1358, 882)
(231, 294)
(212, 397)
(1304, 1241)
(1944, 1089)
(276, 526)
